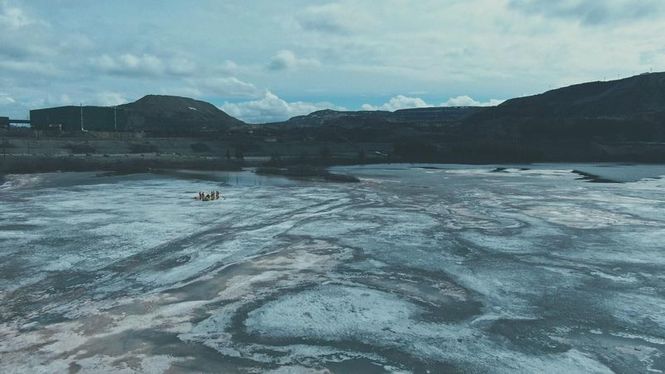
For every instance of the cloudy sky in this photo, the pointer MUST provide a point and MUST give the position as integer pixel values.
(265, 60)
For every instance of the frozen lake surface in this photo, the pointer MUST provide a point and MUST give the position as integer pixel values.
(418, 268)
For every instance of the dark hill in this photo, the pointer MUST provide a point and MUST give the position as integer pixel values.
(620, 98)
(174, 114)
(620, 120)
(359, 119)
(435, 114)
(330, 117)
(626, 109)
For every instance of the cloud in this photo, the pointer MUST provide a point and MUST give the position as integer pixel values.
(286, 60)
(13, 17)
(328, 18)
(5, 99)
(405, 102)
(468, 101)
(227, 67)
(31, 67)
(51, 100)
(342, 51)
(271, 108)
(108, 98)
(129, 64)
(142, 65)
(228, 87)
(181, 66)
(591, 12)
(399, 102)
(335, 18)
(22, 37)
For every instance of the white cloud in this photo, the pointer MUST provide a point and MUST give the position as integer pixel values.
(328, 18)
(108, 98)
(145, 64)
(31, 67)
(129, 64)
(228, 87)
(271, 108)
(51, 100)
(5, 99)
(285, 60)
(13, 17)
(227, 67)
(399, 102)
(406, 102)
(592, 12)
(181, 66)
(22, 38)
(468, 101)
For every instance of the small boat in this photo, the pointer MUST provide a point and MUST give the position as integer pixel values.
(208, 198)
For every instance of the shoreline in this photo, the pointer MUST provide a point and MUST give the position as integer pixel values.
(138, 163)
(28, 164)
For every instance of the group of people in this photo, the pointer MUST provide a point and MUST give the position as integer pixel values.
(213, 195)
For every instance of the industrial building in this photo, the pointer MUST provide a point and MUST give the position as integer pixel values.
(4, 122)
(79, 118)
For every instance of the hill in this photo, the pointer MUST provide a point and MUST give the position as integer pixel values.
(621, 98)
(351, 119)
(619, 120)
(159, 113)
(627, 109)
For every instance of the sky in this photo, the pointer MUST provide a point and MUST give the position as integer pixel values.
(265, 60)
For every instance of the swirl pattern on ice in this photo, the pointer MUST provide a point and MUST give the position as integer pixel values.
(441, 269)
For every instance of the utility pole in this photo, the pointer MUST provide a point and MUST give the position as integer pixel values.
(82, 128)
(115, 118)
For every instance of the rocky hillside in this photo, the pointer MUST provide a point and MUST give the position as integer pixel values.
(618, 120)
(626, 109)
(612, 99)
(350, 119)
(158, 113)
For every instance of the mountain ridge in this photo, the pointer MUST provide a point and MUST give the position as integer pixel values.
(636, 94)
(626, 109)
(176, 113)
(411, 116)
